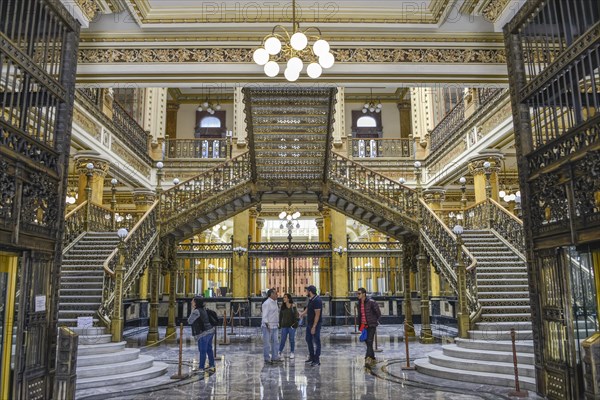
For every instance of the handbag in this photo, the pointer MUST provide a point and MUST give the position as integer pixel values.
(363, 335)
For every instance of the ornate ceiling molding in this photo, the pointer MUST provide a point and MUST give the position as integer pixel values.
(244, 55)
(273, 12)
(89, 8)
(494, 9)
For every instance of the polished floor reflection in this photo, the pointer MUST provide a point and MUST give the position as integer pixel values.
(242, 373)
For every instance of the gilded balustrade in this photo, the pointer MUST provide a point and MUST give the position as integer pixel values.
(199, 148)
(374, 185)
(477, 216)
(99, 218)
(378, 148)
(187, 195)
(507, 225)
(441, 244)
(141, 242)
(448, 125)
(75, 223)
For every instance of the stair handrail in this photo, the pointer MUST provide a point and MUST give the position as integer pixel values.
(508, 226)
(74, 225)
(387, 191)
(230, 174)
(100, 218)
(141, 243)
(441, 243)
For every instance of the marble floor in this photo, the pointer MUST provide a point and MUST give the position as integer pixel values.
(242, 374)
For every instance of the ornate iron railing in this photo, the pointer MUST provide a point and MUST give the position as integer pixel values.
(374, 185)
(92, 94)
(507, 225)
(99, 218)
(441, 244)
(378, 148)
(140, 243)
(133, 132)
(447, 126)
(189, 194)
(477, 216)
(198, 148)
(205, 250)
(75, 222)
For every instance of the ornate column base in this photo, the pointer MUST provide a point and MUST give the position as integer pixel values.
(153, 326)
(426, 336)
(463, 326)
(116, 329)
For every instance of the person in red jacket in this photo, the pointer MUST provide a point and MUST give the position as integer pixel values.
(368, 315)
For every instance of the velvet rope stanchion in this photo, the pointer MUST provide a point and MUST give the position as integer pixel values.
(179, 374)
(225, 341)
(376, 350)
(233, 313)
(517, 392)
(407, 366)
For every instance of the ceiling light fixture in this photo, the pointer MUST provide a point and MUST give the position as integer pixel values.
(295, 50)
(208, 105)
(372, 106)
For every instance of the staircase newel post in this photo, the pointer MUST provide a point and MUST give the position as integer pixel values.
(171, 317)
(88, 194)
(461, 272)
(113, 202)
(156, 262)
(423, 264)
(116, 324)
(463, 199)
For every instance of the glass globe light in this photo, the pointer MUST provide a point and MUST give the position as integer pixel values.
(402, 181)
(366, 106)
(176, 181)
(260, 56)
(273, 45)
(296, 215)
(298, 41)
(113, 181)
(282, 215)
(205, 104)
(89, 166)
(326, 60)
(314, 70)
(486, 164)
(417, 164)
(218, 107)
(159, 165)
(295, 64)
(122, 233)
(506, 198)
(291, 75)
(502, 194)
(379, 105)
(271, 69)
(288, 217)
(320, 47)
(364, 110)
(371, 109)
(512, 197)
(462, 180)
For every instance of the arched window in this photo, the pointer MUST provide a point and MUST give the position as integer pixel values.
(366, 122)
(210, 122)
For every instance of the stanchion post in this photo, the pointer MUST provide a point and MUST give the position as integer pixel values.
(356, 331)
(232, 320)
(407, 367)
(376, 349)
(224, 342)
(517, 392)
(179, 374)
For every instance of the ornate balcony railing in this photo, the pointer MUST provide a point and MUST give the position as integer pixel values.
(441, 244)
(122, 125)
(477, 216)
(189, 194)
(99, 218)
(447, 126)
(373, 185)
(140, 243)
(378, 148)
(199, 148)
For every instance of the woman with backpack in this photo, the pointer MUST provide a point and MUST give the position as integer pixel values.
(288, 322)
(203, 332)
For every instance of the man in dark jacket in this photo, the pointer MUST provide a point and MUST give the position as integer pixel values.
(368, 315)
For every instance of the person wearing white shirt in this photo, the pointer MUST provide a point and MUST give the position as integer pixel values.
(270, 327)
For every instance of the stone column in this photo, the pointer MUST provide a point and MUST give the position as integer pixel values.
(172, 271)
(96, 179)
(421, 100)
(476, 168)
(240, 262)
(405, 119)
(339, 126)
(326, 279)
(108, 100)
(434, 197)
(239, 122)
(426, 333)
(340, 262)
(408, 259)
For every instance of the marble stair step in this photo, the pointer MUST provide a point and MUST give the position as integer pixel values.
(453, 350)
(501, 262)
(509, 281)
(501, 275)
(79, 306)
(80, 298)
(508, 309)
(504, 326)
(503, 288)
(115, 368)
(90, 330)
(500, 335)
(503, 295)
(82, 278)
(127, 354)
(504, 368)
(524, 302)
(522, 346)
(103, 348)
(157, 369)
(507, 380)
(514, 316)
(83, 291)
(88, 272)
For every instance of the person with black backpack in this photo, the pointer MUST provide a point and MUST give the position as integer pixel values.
(203, 332)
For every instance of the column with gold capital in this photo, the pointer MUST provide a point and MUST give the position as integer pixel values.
(434, 197)
(92, 169)
(241, 231)
(485, 180)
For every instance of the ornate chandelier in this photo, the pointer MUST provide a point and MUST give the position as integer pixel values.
(208, 106)
(295, 51)
(371, 106)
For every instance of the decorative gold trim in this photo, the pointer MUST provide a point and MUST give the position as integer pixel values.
(418, 13)
(244, 55)
(89, 8)
(494, 9)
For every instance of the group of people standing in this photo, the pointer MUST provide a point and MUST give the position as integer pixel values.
(287, 318)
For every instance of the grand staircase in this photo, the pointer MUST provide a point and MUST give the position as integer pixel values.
(503, 294)
(82, 276)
